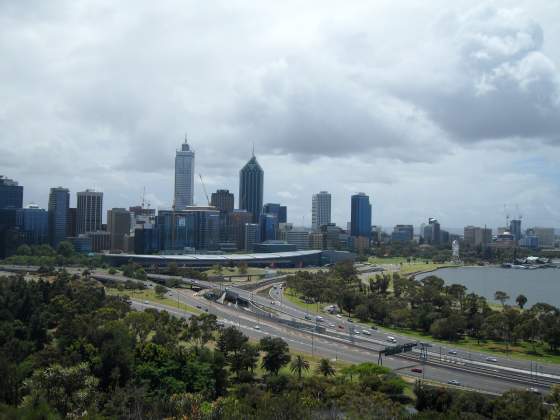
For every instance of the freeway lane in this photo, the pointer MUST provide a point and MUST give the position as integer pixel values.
(329, 346)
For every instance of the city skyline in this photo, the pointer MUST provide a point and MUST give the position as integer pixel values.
(453, 115)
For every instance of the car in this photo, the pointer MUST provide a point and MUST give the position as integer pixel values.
(350, 320)
(357, 332)
(146, 302)
(199, 307)
(453, 382)
(491, 359)
(339, 316)
(416, 370)
(331, 325)
(534, 390)
(391, 339)
(257, 327)
(307, 317)
(319, 318)
(373, 327)
(452, 352)
(366, 332)
(341, 327)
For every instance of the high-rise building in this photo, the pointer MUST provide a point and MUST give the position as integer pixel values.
(89, 211)
(34, 224)
(360, 224)
(320, 210)
(100, 240)
(184, 177)
(432, 232)
(252, 236)
(268, 227)
(477, 236)
(59, 202)
(236, 227)
(251, 182)
(515, 228)
(118, 226)
(11, 236)
(402, 233)
(72, 222)
(223, 200)
(545, 236)
(299, 238)
(11, 194)
(194, 228)
(281, 212)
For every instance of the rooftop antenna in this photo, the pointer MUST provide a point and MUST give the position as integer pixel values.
(143, 196)
(253, 148)
(186, 137)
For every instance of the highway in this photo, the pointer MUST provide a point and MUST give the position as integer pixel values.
(340, 345)
(338, 339)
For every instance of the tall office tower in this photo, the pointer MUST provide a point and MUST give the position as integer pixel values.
(59, 202)
(477, 236)
(34, 224)
(195, 228)
(118, 225)
(223, 201)
(402, 233)
(184, 177)
(515, 228)
(360, 220)
(89, 211)
(252, 236)
(72, 222)
(11, 194)
(236, 227)
(320, 210)
(435, 232)
(545, 235)
(268, 225)
(281, 212)
(251, 181)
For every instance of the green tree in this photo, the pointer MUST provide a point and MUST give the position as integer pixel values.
(24, 250)
(66, 249)
(299, 365)
(242, 267)
(276, 354)
(325, 368)
(160, 290)
(71, 391)
(521, 300)
(501, 297)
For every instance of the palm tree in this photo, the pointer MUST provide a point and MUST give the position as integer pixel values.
(325, 368)
(299, 364)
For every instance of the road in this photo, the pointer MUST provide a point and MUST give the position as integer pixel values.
(269, 315)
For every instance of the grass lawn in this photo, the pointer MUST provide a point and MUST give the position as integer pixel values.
(150, 296)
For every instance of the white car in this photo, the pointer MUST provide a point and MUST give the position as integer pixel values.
(366, 332)
(331, 325)
(454, 382)
(146, 302)
(452, 352)
(391, 339)
(257, 327)
(357, 332)
(491, 359)
(339, 316)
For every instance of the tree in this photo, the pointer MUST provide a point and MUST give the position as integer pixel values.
(277, 354)
(24, 250)
(501, 297)
(66, 249)
(70, 390)
(299, 364)
(160, 290)
(242, 267)
(521, 300)
(325, 368)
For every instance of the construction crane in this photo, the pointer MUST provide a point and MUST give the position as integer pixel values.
(204, 188)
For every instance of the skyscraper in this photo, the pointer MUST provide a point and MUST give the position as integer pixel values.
(281, 212)
(89, 211)
(59, 201)
(184, 177)
(11, 194)
(118, 225)
(360, 222)
(320, 210)
(251, 181)
(223, 201)
(34, 223)
(515, 228)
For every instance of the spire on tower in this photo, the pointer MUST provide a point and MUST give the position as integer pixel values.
(253, 149)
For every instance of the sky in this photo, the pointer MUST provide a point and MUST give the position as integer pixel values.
(433, 108)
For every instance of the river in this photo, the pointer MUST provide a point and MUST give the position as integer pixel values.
(540, 285)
